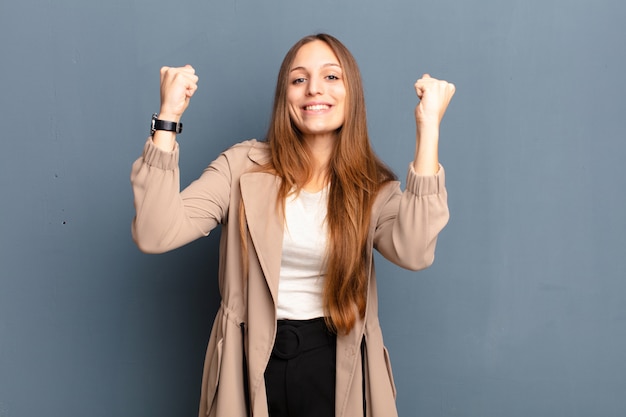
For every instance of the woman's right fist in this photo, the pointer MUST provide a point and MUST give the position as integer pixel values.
(177, 87)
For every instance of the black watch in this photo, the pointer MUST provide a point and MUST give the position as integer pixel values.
(158, 124)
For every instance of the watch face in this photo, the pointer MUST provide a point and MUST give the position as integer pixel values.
(152, 129)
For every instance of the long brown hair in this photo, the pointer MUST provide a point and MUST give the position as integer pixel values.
(355, 174)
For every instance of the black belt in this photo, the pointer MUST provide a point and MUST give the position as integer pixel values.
(294, 337)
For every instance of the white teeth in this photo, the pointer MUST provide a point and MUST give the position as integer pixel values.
(317, 107)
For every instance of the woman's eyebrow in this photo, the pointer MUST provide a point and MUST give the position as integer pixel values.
(330, 64)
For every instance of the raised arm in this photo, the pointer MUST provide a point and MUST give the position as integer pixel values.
(166, 218)
(410, 221)
(434, 95)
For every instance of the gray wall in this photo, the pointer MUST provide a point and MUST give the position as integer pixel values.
(523, 313)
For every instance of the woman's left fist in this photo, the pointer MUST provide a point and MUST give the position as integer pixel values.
(434, 95)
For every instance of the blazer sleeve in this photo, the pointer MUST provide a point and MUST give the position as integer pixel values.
(410, 221)
(167, 218)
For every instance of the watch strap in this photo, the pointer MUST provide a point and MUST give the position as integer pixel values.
(158, 124)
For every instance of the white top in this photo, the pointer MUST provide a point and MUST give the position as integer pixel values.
(302, 267)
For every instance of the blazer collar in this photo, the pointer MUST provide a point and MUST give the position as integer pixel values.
(259, 153)
(259, 191)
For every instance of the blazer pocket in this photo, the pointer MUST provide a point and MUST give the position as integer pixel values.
(214, 375)
(389, 371)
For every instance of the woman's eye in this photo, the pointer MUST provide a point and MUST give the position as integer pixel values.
(298, 81)
(332, 77)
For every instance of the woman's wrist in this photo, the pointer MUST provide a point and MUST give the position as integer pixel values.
(164, 140)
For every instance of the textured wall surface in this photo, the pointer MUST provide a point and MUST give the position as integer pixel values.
(523, 313)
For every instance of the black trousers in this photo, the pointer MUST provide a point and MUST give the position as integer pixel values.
(300, 376)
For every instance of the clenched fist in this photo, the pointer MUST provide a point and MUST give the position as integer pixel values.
(434, 95)
(177, 87)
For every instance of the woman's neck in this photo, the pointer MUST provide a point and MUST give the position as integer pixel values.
(321, 147)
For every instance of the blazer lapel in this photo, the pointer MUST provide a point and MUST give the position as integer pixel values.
(265, 223)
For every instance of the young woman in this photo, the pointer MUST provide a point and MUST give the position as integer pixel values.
(297, 332)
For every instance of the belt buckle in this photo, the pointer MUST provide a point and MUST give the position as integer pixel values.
(282, 332)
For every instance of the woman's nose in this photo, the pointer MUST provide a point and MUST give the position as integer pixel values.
(314, 87)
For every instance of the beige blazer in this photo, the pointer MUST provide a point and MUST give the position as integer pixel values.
(404, 229)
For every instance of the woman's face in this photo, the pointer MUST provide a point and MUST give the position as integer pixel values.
(316, 92)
